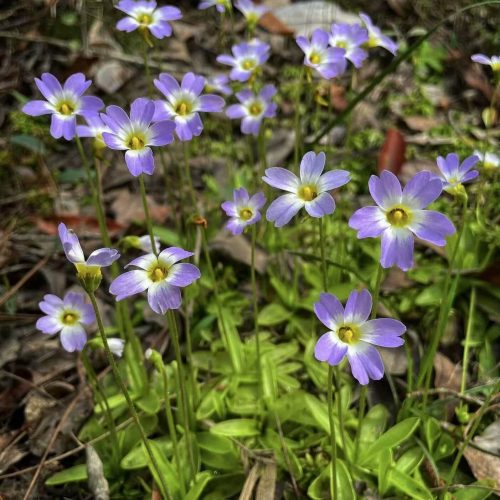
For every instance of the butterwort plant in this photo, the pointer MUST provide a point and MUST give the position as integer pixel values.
(399, 216)
(375, 36)
(455, 174)
(64, 102)
(67, 316)
(246, 59)
(184, 103)
(309, 191)
(244, 210)
(136, 134)
(351, 334)
(162, 276)
(351, 38)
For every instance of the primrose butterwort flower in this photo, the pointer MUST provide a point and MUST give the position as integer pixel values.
(218, 83)
(350, 37)
(220, 5)
(353, 335)
(493, 61)
(253, 108)
(64, 103)
(400, 215)
(244, 210)
(310, 191)
(329, 62)
(488, 159)
(455, 173)
(135, 134)
(94, 128)
(251, 11)
(103, 257)
(376, 38)
(246, 59)
(161, 276)
(184, 103)
(67, 315)
(145, 15)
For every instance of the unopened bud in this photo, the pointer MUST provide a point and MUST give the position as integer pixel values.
(489, 116)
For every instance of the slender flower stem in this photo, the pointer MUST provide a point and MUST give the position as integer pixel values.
(184, 402)
(376, 291)
(172, 430)
(103, 403)
(324, 268)
(130, 404)
(187, 170)
(333, 441)
(424, 376)
(468, 333)
(147, 69)
(147, 214)
(256, 314)
(297, 124)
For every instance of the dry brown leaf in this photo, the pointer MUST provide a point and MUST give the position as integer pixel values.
(395, 360)
(110, 76)
(447, 373)
(422, 123)
(98, 484)
(250, 482)
(128, 208)
(267, 483)
(483, 465)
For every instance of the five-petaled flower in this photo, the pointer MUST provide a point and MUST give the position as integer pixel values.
(493, 61)
(64, 103)
(251, 11)
(160, 275)
(218, 83)
(86, 268)
(350, 37)
(328, 61)
(67, 315)
(309, 191)
(135, 134)
(184, 103)
(246, 60)
(144, 15)
(488, 159)
(454, 173)
(353, 335)
(376, 38)
(253, 108)
(243, 211)
(399, 215)
(220, 5)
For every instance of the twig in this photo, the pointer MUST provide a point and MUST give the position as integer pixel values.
(449, 392)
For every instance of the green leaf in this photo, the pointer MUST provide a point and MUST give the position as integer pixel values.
(137, 457)
(394, 436)
(29, 142)
(410, 460)
(166, 469)
(269, 380)
(201, 480)
(239, 427)
(319, 489)
(273, 314)
(213, 442)
(473, 493)
(405, 483)
(384, 464)
(149, 403)
(74, 474)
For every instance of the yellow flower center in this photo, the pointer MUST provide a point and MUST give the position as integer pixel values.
(158, 273)
(136, 142)
(246, 214)
(255, 109)
(372, 42)
(66, 108)
(144, 19)
(308, 193)
(341, 44)
(69, 318)
(183, 108)
(315, 58)
(348, 334)
(248, 64)
(495, 66)
(399, 217)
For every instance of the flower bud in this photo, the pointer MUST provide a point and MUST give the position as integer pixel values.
(90, 277)
(489, 116)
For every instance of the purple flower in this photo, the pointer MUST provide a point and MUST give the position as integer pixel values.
(243, 211)
(493, 61)
(400, 215)
(184, 103)
(103, 257)
(161, 276)
(455, 174)
(145, 15)
(218, 83)
(64, 103)
(67, 316)
(135, 134)
(310, 191)
(94, 128)
(350, 37)
(376, 38)
(488, 159)
(220, 5)
(246, 59)
(353, 335)
(253, 108)
(327, 61)
(251, 11)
